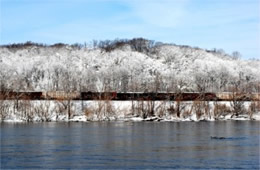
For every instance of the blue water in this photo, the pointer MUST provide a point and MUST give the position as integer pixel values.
(131, 145)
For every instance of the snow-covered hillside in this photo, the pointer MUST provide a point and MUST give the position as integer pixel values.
(162, 67)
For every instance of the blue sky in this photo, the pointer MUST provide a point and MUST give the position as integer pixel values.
(233, 25)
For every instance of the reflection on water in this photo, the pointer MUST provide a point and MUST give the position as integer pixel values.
(138, 145)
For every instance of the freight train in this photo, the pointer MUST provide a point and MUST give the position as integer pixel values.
(60, 95)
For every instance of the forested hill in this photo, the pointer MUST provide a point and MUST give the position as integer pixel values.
(136, 65)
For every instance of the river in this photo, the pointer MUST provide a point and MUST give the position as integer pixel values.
(131, 145)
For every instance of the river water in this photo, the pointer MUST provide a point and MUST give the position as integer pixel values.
(135, 145)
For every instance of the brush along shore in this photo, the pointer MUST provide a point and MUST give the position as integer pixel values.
(107, 110)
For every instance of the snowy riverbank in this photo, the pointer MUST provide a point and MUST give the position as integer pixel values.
(39, 111)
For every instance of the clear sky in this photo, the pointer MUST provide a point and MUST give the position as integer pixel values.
(233, 25)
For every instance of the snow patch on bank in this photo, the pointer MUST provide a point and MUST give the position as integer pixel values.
(39, 111)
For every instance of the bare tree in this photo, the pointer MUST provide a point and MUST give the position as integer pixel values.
(236, 55)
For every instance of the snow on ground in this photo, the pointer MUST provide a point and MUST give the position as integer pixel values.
(38, 111)
(256, 116)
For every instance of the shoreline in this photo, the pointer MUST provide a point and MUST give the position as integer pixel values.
(159, 111)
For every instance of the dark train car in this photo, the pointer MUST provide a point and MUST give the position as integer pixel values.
(88, 95)
(123, 96)
(211, 97)
(187, 96)
(32, 96)
(21, 96)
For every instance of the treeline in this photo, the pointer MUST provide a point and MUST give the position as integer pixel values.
(67, 79)
(122, 77)
(136, 44)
